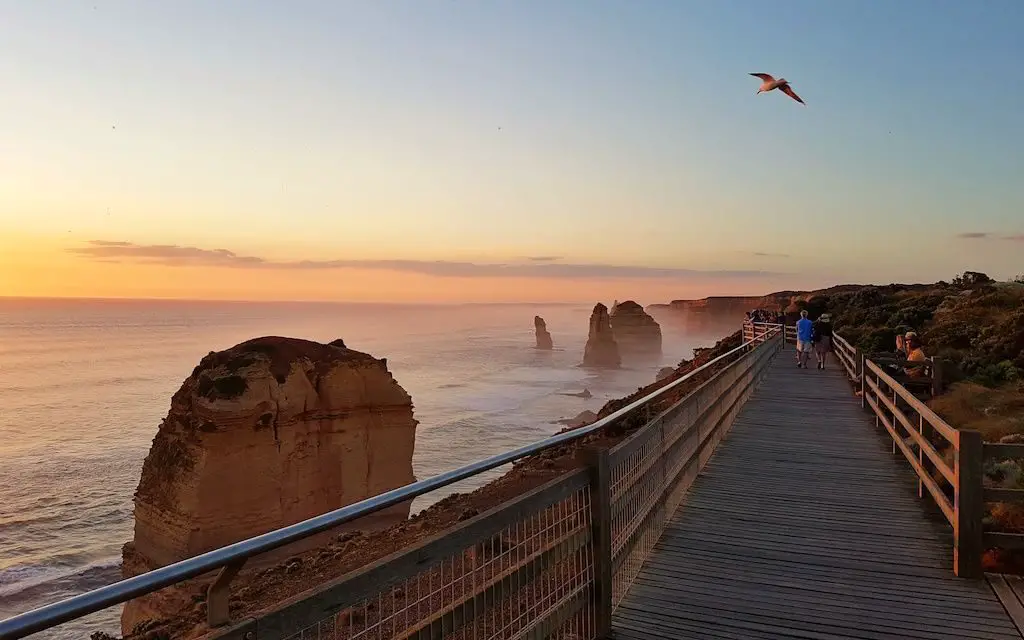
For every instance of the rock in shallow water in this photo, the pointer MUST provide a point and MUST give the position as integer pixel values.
(540, 328)
(635, 331)
(601, 350)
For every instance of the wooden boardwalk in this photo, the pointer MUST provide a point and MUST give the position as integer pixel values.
(804, 525)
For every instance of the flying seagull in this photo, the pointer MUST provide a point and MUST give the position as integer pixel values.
(768, 83)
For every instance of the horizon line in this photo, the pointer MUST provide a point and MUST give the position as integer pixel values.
(275, 301)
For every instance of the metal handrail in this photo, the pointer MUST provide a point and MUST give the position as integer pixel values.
(119, 592)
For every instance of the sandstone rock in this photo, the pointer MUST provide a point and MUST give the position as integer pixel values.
(543, 337)
(263, 435)
(636, 332)
(583, 418)
(601, 350)
(585, 394)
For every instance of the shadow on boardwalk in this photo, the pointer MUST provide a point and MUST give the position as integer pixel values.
(804, 525)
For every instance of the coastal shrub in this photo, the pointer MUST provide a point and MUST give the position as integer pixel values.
(971, 279)
(994, 412)
(817, 305)
(974, 323)
(996, 375)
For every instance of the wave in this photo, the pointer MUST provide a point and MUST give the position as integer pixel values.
(77, 383)
(29, 582)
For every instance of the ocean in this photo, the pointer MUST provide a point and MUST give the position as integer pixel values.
(85, 383)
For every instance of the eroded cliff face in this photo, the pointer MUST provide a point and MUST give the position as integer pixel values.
(601, 350)
(540, 328)
(636, 332)
(262, 435)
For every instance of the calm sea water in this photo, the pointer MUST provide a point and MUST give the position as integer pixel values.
(84, 385)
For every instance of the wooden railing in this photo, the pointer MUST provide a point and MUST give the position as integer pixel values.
(847, 356)
(759, 330)
(552, 563)
(949, 462)
(993, 453)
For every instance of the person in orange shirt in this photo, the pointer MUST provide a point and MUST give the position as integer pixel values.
(915, 353)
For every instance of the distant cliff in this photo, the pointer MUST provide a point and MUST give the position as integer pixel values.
(260, 436)
(734, 308)
(729, 305)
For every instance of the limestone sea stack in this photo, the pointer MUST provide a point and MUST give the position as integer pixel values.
(263, 435)
(601, 350)
(635, 331)
(543, 337)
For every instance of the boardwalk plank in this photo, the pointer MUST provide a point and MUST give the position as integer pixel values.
(805, 525)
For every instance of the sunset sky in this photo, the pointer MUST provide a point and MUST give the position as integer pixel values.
(528, 150)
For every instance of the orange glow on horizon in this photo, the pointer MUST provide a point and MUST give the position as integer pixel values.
(36, 268)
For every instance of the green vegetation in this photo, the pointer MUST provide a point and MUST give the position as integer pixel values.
(973, 322)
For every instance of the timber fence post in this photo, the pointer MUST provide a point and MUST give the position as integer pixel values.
(969, 506)
(601, 528)
(937, 373)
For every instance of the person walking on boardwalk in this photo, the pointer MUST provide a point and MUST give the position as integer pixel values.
(821, 337)
(804, 332)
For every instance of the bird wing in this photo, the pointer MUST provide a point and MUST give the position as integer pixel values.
(764, 76)
(788, 90)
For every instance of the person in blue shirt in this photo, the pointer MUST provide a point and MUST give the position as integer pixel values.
(804, 333)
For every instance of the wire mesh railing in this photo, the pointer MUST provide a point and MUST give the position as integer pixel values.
(652, 470)
(552, 563)
(525, 566)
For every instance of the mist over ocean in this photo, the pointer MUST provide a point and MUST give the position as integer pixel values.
(84, 385)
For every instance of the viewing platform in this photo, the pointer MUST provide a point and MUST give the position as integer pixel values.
(770, 502)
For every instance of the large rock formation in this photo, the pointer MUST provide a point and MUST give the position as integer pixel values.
(601, 349)
(543, 337)
(635, 331)
(263, 435)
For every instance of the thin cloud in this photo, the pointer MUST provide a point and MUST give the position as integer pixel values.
(985, 235)
(974, 235)
(764, 254)
(183, 256)
(543, 258)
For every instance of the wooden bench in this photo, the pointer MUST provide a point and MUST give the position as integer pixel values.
(929, 384)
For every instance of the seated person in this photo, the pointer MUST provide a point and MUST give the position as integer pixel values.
(915, 353)
(902, 353)
(902, 345)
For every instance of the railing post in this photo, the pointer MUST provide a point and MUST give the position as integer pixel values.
(969, 506)
(218, 595)
(863, 382)
(601, 530)
(937, 377)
